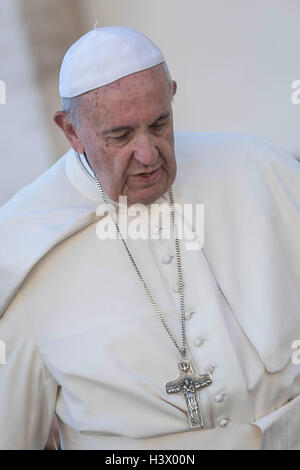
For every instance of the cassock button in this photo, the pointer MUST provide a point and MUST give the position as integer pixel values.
(188, 315)
(211, 368)
(223, 423)
(198, 342)
(220, 397)
(167, 259)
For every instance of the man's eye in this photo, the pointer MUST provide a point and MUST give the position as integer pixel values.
(158, 125)
(120, 137)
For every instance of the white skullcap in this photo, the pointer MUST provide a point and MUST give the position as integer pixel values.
(103, 56)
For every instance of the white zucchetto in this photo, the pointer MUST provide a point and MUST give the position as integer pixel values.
(103, 56)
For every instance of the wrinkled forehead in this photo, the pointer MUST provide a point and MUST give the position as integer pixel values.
(125, 90)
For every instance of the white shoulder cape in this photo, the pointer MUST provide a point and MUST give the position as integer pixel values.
(251, 194)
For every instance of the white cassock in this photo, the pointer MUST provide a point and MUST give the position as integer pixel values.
(82, 339)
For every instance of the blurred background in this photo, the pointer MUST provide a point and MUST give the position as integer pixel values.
(234, 61)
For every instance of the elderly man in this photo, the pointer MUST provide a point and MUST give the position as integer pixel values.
(147, 342)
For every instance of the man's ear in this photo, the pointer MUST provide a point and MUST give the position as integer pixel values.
(62, 119)
(174, 88)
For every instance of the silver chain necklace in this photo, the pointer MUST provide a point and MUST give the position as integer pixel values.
(188, 384)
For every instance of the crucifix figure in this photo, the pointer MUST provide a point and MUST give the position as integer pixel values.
(188, 384)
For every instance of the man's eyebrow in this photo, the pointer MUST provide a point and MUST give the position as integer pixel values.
(117, 129)
(128, 128)
(163, 116)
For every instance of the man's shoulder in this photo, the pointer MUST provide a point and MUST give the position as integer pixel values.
(35, 220)
(39, 190)
(198, 146)
(226, 154)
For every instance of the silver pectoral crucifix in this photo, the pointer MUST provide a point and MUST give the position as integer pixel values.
(188, 384)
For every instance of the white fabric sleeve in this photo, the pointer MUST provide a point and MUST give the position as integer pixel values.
(281, 428)
(27, 390)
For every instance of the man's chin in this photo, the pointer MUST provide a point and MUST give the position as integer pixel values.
(146, 197)
(149, 194)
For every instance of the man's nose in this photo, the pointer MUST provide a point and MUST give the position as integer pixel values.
(145, 150)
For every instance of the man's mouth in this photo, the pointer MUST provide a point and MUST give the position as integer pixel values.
(148, 176)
